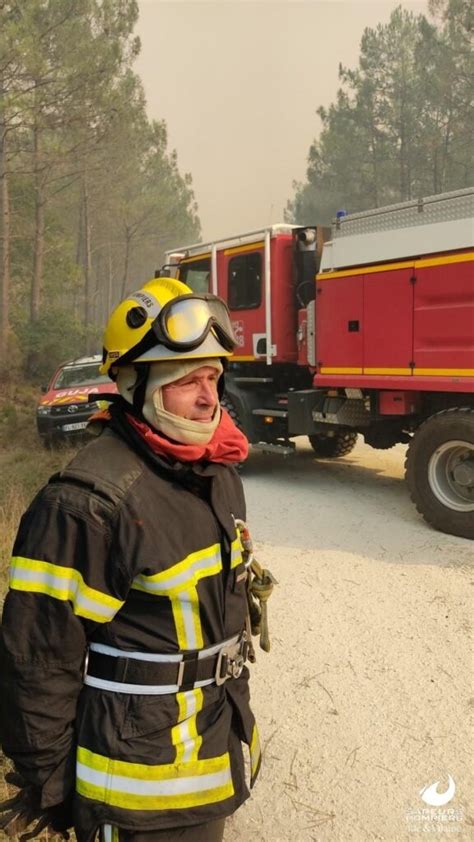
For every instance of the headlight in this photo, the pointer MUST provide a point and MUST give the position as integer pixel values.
(44, 410)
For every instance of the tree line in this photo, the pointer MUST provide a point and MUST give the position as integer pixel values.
(402, 123)
(90, 194)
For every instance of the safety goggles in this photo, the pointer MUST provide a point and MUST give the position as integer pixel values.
(183, 323)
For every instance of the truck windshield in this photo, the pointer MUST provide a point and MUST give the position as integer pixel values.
(196, 274)
(80, 375)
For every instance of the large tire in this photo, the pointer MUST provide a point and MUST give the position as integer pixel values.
(440, 471)
(332, 447)
(229, 406)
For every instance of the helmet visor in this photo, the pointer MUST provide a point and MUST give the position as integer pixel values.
(184, 322)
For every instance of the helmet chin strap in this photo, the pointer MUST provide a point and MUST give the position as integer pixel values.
(139, 387)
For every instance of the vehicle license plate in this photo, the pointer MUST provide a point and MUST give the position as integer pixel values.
(79, 425)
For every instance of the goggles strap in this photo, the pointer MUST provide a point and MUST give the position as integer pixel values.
(147, 342)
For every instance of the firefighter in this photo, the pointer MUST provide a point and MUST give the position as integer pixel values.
(124, 695)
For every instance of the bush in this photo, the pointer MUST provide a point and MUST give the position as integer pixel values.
(55, 337)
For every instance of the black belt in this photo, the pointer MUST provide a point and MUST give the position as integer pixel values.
(227, 663)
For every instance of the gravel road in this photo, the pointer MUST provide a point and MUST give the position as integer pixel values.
(366, 694)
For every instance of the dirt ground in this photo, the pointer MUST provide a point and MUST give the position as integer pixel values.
(366, 695)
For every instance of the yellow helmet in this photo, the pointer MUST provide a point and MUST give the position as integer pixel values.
(166, 320)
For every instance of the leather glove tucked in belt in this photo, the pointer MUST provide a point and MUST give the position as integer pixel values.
(18, 814)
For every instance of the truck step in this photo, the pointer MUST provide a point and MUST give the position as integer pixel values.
(272, 413)
(255, 380)
(281, 449)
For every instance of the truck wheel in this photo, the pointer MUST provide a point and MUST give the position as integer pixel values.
(331, 447)
(440, 471)
(229, 406)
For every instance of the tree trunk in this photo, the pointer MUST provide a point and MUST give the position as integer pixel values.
(128, 242)
(88, 303)
(109, 285)
(38, 258)
(4, 243)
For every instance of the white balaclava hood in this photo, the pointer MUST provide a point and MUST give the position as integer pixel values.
(175, 427)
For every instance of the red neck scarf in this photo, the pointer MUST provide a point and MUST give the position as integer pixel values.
(227, 445)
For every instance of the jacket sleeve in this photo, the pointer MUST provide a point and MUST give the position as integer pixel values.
(64, 581)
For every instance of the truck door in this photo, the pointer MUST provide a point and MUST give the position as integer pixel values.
(240, 282)
(388, 321)
(339, 321)
(444, 316)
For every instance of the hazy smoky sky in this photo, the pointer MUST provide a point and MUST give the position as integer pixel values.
(238, 83)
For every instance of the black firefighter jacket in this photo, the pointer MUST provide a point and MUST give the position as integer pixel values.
(124, 553)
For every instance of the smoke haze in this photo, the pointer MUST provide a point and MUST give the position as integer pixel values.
(238, 84)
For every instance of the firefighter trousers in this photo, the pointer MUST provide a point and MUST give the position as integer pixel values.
(207, 832)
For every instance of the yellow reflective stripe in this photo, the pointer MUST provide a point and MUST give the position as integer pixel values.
(159, 787)
(364, 270)
(236, 552)
(445, 260)
(194, 257)
(146, 772)
(444, 372)
(340, 370)
(184, 735)
(392, 371)
(465, 257)
(241, 249)
(255, 750)
(179, 583)
(65, 584)
(184, 574)
(109, 833)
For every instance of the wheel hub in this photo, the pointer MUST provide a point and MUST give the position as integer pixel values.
(464, 474)
(451, 475)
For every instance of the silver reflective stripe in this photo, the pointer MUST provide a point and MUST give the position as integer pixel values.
(170, 786)
(189, 743)
(158, 656)
(186, 606)
(213, 650)
(139, 689)
(139, 656)
(150, 689)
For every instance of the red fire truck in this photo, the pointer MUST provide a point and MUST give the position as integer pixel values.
(368, 329)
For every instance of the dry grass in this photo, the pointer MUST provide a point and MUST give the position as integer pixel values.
(11, 510)
(24, 466)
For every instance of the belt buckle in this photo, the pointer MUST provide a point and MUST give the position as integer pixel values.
(222, 660)
(85, 664)
(233, 661)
